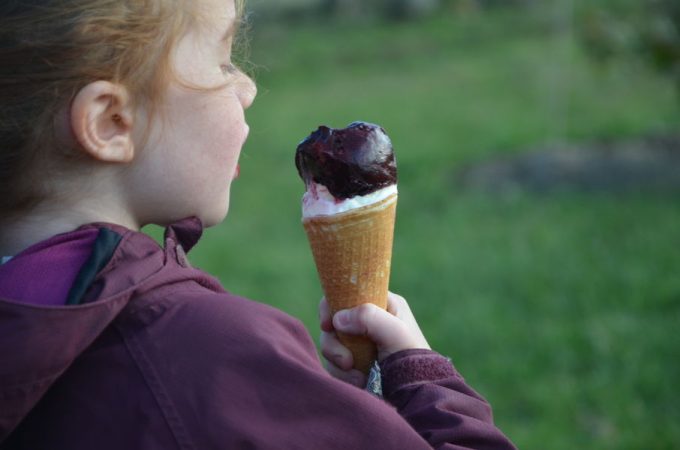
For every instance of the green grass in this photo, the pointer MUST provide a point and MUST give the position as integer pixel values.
(562, 310)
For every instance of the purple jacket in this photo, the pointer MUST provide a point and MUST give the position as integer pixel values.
(153, 354)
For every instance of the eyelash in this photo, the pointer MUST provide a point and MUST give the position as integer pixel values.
(229, 69)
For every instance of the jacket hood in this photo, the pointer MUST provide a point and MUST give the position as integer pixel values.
(39, 343)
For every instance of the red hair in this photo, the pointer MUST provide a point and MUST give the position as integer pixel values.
(49, 50)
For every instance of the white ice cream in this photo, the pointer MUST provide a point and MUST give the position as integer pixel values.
(317, 201)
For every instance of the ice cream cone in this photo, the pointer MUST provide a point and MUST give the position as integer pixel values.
(353, 251)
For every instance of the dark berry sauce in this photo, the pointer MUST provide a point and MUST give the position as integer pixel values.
(356, 160)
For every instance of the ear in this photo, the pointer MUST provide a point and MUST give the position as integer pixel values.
(101, 120)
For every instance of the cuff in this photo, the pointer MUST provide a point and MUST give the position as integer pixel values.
(414, 366)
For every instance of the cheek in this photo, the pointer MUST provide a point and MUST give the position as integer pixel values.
(222, 120)
(228, 133)
(208, 130)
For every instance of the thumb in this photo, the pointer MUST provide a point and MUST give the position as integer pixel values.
(389, 333)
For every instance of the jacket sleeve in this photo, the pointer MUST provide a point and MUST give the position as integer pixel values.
(435, 400)
(232, 373)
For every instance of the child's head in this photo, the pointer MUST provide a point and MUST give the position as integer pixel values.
(86, 81)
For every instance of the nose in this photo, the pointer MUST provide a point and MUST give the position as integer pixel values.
(247, 91)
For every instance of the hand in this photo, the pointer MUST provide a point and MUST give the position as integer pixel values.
(392, 330)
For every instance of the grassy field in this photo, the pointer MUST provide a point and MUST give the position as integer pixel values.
(562, 310)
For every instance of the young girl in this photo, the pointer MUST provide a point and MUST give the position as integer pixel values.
(119, 113)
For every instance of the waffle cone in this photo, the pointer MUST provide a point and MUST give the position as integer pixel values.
(353, 253)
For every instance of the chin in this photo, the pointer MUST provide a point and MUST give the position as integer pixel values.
(214, 217)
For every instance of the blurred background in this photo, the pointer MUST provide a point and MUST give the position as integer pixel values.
(538, 227)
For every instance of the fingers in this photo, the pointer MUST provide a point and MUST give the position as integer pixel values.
(396, 305)
(392, 330)
(333, 350)
(339, 360)
(388, 331)
(325, 316)
(353, 377)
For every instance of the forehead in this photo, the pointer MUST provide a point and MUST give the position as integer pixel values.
(215, 13)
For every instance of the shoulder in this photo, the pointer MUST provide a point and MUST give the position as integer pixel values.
(250, 327)
(193, 316)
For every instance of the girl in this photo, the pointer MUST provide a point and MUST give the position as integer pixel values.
(119, 113)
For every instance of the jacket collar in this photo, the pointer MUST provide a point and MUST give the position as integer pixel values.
(185, 232)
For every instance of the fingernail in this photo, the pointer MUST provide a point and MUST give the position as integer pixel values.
(338, 360)
(342, 317)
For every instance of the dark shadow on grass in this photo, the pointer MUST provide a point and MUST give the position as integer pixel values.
(642, 165)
